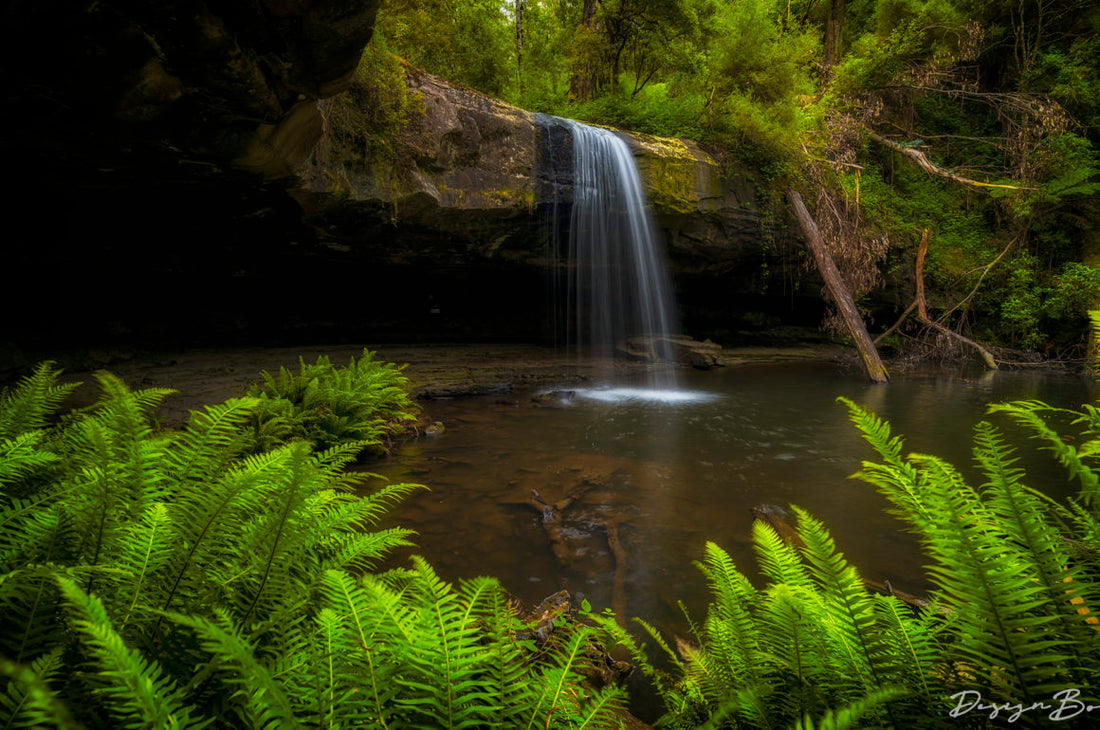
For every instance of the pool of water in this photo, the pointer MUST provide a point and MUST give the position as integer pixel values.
(612, 493)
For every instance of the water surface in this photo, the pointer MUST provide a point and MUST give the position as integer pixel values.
(662, 475)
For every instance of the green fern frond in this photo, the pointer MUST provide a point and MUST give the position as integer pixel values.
(22, 456)
(137, 692)
(1038, 548)
(444, 657)
(28, 700)
(31, 404)
(146, 548)
(850, 608)
(993, 602)
(915, 647)
(29, 622)
(207, 517)
(265, 702)
(895, 477)
(1029, 415)
(556, 686)
(212, 439)
(730, 636)
(848, 716)
(778, 560)
(371, 620)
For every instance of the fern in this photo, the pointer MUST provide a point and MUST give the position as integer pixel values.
(138, 694)
(364, 401)
(996, 563)
(1029, 415)
(847, 716)
(851, 615)
(22, 456)
(35, 400)
(29, 701)
(265, 702)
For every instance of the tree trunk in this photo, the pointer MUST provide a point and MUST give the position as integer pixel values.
(521, 7)
(582, 85)
(837, 289)
(833, 38)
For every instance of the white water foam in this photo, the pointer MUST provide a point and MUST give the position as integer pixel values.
(669, 396)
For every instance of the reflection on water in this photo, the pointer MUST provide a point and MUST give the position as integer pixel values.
(612, 496)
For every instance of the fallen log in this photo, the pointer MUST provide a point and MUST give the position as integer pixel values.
(838, 291)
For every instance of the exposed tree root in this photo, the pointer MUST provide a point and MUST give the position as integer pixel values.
(922, 310)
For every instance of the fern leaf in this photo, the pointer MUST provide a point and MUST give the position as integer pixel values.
(849, 715)
(31, 404)
(777, 559)
(29, 700)
(994, 603)
(850, 608)
(266, 703)
(21, 456)
(138, 694)
(1027, 414)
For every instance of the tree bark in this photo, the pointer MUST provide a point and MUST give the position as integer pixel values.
(521, 8)
(833, 38)
(922, 309)
(838, 290)
(583, 85)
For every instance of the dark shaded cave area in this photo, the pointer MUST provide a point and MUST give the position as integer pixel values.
(224, 260)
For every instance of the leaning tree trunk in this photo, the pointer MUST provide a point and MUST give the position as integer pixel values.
(838, 290)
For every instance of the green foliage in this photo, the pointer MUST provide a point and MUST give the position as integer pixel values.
(366, 120)
(181, 579)
(1010, 617)
(366, 402)
(466, 41)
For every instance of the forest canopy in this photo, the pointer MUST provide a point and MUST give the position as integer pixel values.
(974, 120)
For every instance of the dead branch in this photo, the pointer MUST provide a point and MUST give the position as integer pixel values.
(906, 313)
(922, 309)
(985, 270)
(933, 169)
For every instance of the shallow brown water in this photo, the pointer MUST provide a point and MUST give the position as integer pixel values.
(665, 478)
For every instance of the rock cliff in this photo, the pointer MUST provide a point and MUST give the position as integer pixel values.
(185, 174)
(475, 169)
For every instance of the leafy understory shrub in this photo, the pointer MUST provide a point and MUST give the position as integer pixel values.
(1012, 620)
(366, 401)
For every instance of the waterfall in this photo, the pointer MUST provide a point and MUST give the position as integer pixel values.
(618, 288)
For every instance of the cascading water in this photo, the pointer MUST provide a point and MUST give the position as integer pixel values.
(618, 285)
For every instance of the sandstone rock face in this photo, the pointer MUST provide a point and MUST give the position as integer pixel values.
(179, 180)
(458, 182)
(219, 81)
(490, 175)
